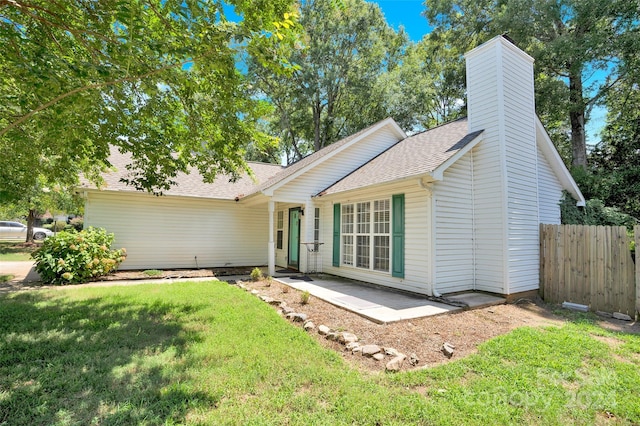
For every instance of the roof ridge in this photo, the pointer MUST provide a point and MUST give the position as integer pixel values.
(435, 127)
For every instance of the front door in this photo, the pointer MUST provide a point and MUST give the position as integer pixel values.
(294, 238)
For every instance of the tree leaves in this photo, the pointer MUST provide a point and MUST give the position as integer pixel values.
(157, 78)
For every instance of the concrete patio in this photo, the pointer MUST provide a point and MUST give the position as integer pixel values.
(380, 304)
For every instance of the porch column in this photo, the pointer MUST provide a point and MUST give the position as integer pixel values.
(272, 244)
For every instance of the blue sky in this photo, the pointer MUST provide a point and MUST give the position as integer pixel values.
(408, 13)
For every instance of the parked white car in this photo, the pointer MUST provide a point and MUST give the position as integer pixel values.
(15, 230)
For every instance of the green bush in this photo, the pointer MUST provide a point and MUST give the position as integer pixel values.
(77, 223)
(58, 226)
(594, 213)
(256, 274)
(76, 257)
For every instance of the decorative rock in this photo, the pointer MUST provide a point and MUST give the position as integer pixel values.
(391, 352)
(379, 356)
(267, 299)
(345, 338)
(256, 292)
(332, 335)
(309, 325)
(297, 317)
(413, 359)
(356, 350)
(352, 345)
(287, 310)
(323, 330)
(370, 350)
(621, 316)
(447, 349)
(396, 363)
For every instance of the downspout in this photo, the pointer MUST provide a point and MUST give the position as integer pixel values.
(429, 189)
(473, 220)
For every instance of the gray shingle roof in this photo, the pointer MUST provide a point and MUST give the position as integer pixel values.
(190, 185)
(414, 156)
(311, 158)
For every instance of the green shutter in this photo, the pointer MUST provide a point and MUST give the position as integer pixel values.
(336, 235)
(397, 228)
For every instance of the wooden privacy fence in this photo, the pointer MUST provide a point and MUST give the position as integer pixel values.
(590, 265)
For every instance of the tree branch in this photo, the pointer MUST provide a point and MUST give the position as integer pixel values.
(96, 86)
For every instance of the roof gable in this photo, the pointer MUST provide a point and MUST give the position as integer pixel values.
(423, 153)
(557, 165)
(296, 169)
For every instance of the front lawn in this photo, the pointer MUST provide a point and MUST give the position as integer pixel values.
(16, 250)
(210, 353)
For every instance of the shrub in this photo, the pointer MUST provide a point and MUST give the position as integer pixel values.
(152, 272)
(58, 226)
(76, 257)
(594, 213)
(304, 297)
(256, 274)
(77, 223)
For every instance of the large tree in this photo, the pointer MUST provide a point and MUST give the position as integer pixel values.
(345, 47)
(615, 161)
(156, 78)
(571, 40)
(427, 87)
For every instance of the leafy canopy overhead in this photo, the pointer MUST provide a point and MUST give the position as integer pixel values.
(571, 40)
(345, 47)
(156, 78)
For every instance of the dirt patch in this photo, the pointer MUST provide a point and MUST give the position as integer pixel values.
(423, 336)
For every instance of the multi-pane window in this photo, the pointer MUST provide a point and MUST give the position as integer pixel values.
(366, 234)
(316, 225)
(347, 234)
(280, 229)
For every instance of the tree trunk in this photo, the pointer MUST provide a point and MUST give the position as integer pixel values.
(31, 218)
(576, 115)
(317, 113)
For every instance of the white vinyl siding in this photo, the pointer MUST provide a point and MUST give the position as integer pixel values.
(501, 101)
(335, 168)
(417, 237)
(179, 232)
(485, 113)
(522, 175)
(454, 228)
(549, 192)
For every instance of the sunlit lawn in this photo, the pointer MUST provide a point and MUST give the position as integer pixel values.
(15, 250)
(210, 353)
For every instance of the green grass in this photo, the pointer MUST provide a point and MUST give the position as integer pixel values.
(152, 272)
(5, 278)
(16, 251)
(209, 353)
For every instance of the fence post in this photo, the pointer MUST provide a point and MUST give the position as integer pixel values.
(636, 234)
